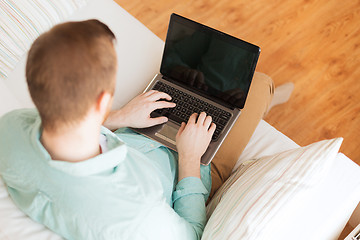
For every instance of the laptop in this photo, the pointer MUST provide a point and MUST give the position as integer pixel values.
(203, 70)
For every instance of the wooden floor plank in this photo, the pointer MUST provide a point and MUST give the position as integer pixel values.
(313, 43)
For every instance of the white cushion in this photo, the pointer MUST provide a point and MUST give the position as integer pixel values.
(7, 100)
(261, 188)
(23, 21)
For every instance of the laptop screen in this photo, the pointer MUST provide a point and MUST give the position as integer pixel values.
(216, 65)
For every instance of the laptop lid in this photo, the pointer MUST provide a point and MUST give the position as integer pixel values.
(211, 63)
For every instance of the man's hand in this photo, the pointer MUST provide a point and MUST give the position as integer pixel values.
(136, 113)
(192, 141)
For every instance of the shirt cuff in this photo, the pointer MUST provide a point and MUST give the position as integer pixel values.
(189, 186)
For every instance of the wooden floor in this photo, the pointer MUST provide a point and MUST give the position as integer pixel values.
(313, 43)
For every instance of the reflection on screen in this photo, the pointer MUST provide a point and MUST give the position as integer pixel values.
(203, 60)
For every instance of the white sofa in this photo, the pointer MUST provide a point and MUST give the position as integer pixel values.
(322, 217)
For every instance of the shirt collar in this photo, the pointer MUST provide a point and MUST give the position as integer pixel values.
(115, 154)
(99, 164)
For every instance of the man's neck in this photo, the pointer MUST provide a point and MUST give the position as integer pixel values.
(73, 144)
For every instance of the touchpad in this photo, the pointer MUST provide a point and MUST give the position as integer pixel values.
(168, 133)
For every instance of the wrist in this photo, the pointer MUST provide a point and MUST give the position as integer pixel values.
(189, 167)
(115, 120)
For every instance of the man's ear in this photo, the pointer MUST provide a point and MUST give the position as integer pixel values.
(103, 103)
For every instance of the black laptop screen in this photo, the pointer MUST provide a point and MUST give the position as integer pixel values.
(215, 64)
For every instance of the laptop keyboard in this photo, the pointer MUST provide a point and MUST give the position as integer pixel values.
(186, 105)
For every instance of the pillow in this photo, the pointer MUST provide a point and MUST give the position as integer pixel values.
(259, 189)
(23, 21)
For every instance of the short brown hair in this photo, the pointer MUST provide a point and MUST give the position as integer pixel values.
(68, 68)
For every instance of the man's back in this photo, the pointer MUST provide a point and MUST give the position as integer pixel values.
(121, 194)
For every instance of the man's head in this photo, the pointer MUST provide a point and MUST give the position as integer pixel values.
(68, 69)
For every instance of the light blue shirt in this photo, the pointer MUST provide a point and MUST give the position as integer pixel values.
(129, 192)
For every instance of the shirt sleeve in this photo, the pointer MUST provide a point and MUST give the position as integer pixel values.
(189, 203)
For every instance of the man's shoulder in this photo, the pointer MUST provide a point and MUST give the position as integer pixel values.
(16, 129)
(18, 117)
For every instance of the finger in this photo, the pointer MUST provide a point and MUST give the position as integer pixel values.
(157, 121)
(201, 118)
(181, 129)
(159, 95)
(212, 129)
(163, 104)
(150, 92)
(192, 118)
(207, 122)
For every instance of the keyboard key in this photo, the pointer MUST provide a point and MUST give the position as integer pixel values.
(220, 127)
(225, 116)
(222, 121)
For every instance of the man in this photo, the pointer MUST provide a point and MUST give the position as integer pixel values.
(83, 181)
